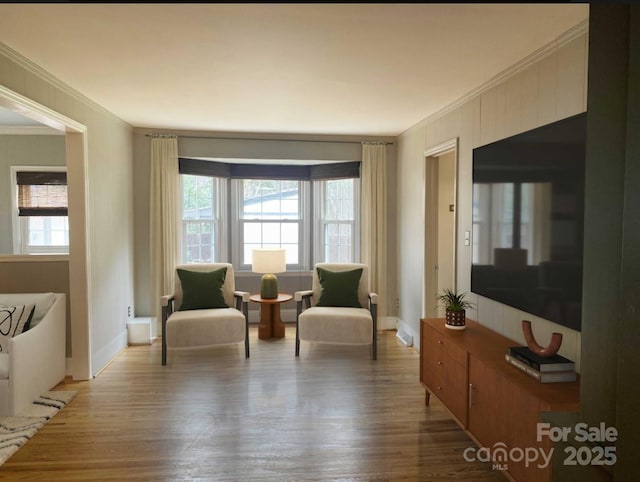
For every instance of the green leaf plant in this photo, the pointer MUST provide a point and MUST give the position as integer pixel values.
(454, 301)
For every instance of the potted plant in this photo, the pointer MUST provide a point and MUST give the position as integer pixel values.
(455, 309)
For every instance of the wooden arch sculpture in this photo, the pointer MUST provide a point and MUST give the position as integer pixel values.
(549, 350)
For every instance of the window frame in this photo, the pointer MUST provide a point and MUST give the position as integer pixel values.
(320, 221)
(237, 225)
(218, 219)
(20, 225)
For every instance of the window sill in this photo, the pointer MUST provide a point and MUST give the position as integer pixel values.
(38, 258)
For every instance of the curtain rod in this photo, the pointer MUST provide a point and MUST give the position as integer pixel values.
(162, 136)
(263, 139)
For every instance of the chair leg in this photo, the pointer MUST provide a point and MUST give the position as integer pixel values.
(165, 315)
(245, 312)
(374, 341)
(298, 311)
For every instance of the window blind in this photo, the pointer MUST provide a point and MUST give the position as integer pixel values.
(42, 193)
(310, 172)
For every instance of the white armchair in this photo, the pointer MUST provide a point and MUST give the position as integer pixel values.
(346, 323)
(35, 360)
(209, 326)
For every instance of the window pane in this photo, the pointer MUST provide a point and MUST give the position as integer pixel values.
(338, 223)
(289, 208)
(271, 233)
(48, 231)
(198, 197)
(292, 256)
(289, 233)
(58, 238)
(58, 222)
(338, 242)
(36, 223)
(277, 204)
(339, 199)
(270, 199)
(253, 233)
(200, 218)
(199, 242)
(36, 238)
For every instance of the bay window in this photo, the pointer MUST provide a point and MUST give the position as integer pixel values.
(228, 209)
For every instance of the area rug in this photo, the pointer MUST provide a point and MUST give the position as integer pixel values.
(16, 431)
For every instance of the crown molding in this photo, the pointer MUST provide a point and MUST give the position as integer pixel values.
(40, 72)
(573, 33)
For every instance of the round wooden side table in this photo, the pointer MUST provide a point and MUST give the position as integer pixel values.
(271, 325)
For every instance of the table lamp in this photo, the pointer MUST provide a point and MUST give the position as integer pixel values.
(268, 262)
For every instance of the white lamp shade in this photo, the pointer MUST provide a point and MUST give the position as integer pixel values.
(266, 260)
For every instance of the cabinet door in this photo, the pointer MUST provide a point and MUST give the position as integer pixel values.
(488, 397)
(524, 410)
(455, 381)
(500, 412)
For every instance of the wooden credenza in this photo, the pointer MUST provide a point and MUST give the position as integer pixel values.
(494, 402)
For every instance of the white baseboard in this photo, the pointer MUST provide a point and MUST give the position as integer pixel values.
(102, 357)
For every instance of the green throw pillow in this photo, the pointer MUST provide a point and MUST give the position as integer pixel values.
(202, 289)
(339, 288)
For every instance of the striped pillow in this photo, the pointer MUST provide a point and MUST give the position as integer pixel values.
(13, 321)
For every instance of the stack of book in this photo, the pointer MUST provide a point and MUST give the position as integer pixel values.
(550, 369)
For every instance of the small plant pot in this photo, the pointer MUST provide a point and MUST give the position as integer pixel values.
(455, 320)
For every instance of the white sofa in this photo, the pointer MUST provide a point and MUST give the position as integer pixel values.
(35, 361)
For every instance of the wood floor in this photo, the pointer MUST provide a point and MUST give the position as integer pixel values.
(212, 415)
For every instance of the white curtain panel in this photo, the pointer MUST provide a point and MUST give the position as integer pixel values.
(165, 220)
(373, 219)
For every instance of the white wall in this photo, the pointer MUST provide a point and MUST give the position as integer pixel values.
(547, 86)
(109, 187)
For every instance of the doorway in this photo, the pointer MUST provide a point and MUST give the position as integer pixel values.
(79, 266)
(441, 179)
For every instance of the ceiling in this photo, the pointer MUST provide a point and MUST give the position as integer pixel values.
(350, 69)
(14, 123)
(13, 119)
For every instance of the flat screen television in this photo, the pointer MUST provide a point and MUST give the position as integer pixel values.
(528, 221)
